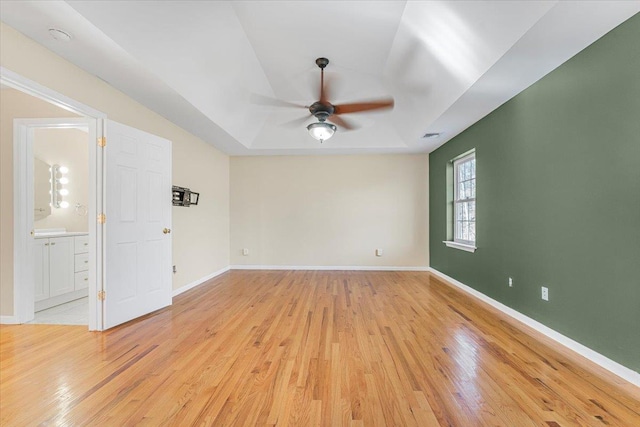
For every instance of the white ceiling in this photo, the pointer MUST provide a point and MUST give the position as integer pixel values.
(446, 63)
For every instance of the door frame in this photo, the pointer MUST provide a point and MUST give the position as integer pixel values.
(23, 300)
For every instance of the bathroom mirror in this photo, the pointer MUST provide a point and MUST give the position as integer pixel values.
(41, 188)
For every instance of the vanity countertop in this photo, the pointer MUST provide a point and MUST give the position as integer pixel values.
(60, 234)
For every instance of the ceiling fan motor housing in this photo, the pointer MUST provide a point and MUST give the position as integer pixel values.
(321, 111)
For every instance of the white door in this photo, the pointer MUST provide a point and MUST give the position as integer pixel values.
(61, 278)
(137, 232)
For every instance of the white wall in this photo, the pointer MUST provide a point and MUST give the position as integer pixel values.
(66, 147)
(330, 210)
(200, 233)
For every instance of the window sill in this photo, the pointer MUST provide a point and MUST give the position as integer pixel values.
(461, 246)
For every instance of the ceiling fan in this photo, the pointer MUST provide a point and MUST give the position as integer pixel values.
(324, 110)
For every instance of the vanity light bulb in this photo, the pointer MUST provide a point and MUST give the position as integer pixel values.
(64, 205)
(63, 169)
(63, 180)
(64, 192)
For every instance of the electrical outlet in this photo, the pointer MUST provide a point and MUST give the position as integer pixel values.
(245, 251)
(545, 293)
(378, 252)
(510, 282)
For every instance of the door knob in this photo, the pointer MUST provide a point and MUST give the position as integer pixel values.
(166, 230)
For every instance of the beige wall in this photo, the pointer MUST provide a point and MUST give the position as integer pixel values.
(330, 210)
(65, 147)
(200, 233)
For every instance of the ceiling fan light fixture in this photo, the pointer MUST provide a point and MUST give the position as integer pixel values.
(321, 130)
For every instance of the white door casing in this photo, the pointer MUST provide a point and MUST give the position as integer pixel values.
(137, 237)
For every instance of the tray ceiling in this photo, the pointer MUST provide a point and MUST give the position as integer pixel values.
(446, 63)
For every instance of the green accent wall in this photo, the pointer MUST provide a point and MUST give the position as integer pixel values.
(558, 199)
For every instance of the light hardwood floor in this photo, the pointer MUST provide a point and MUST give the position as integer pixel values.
(308, 348)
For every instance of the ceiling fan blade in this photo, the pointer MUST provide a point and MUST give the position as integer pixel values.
(357, 107)
(342, 122)
(296, 122)
(267, 100)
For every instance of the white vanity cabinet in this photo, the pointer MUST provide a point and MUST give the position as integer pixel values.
(41, 268)
(60, 262)
(81, 262)
(53, 267)
(61, 267)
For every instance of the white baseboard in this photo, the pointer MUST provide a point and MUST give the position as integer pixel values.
(597, 358)
(198, 282)
(327, 267)
(8, 320)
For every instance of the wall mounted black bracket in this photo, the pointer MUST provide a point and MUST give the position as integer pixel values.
(184, 197)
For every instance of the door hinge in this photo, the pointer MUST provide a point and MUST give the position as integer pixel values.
(102, 218)
(102, 141)
(102, 295)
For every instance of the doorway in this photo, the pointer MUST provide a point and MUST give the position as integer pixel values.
(129, 183)
(60, 223)
(24, 232)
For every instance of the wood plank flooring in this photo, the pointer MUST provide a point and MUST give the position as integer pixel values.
(308, 348)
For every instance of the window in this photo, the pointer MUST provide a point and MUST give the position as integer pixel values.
(464, 203)
(464, 170)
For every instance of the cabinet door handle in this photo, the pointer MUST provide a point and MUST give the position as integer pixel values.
(85, 279)
(166, 230)
(86, 262)
(46, 244)
(86, 244)
(52, 243)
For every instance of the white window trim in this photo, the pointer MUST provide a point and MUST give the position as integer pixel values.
(464, 245)
(456, 201)
(458, 245)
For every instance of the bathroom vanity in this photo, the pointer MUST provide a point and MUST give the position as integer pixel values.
(61, 267)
